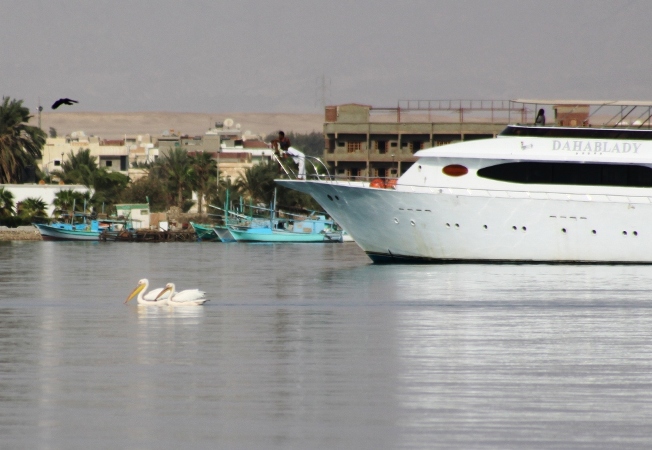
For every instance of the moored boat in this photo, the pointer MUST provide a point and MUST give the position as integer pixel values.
(317, 229)
(59, 231)
(534, 194)
(204, 232)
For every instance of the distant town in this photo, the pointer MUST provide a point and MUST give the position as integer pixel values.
(191, 171)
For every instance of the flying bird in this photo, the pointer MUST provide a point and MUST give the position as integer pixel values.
(63, 101)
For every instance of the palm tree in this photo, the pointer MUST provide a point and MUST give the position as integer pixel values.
(30, 208)
(257, 182)
(20, 144)
(80, 168)
(64, 201)
(6, 203)
(203, 169)
(175, 168)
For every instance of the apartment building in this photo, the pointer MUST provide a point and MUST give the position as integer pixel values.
(366, 141)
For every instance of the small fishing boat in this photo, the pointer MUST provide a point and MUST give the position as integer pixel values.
(86, 231)
(204, 232)
(315, 229)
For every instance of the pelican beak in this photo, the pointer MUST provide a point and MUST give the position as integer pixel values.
(135, 292)
(167, 289)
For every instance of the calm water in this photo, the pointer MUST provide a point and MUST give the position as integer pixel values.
(312, 347)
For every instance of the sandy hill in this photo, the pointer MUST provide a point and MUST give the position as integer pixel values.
(114, 125)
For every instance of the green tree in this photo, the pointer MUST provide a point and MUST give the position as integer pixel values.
(108, 187)
(30, 208)
(176, 169)
(6, 203)
(82, 168)
(65, 200)
(149, 187)
(257, 182)
(20, 144)
(217, 197)
(203, 170)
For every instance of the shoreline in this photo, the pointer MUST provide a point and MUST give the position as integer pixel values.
(22, 233)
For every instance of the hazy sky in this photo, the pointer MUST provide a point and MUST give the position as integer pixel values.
(270, 56)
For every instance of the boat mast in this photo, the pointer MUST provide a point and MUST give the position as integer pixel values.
(226, 208)
(273, 208)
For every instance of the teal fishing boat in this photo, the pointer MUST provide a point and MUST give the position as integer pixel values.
(204, 232)
(315, 229)
(88, 230)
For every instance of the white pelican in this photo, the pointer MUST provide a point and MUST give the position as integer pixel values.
(151, 298)
(189, 297)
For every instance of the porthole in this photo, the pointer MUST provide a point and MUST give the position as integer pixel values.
(635, 233)
(455, 170)
(514, 227)
(448, 225)
(624, 233)
(524, 229)
(457, 225)
(336, 197)
(412, 222)
(594, 232)
(329, 197)
(485, 227)
(563, 230)
(395, 220)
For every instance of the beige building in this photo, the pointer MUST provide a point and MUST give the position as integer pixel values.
(113, 155)
(233, 150)
(365, 141)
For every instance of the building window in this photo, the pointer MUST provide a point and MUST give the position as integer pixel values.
(416, 146)
(108, 163)
(353, 147)
(381, 146)
(330, 145)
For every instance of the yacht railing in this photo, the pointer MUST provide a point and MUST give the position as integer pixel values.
(316, 163)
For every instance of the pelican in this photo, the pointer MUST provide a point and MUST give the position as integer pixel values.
(189, 297)
(151, 298)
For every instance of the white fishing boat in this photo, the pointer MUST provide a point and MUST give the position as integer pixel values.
(534, 194)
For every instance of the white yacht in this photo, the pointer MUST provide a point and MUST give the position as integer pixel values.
(533, 194)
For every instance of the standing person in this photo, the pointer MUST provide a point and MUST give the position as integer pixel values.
(282, 142)
(541, 118)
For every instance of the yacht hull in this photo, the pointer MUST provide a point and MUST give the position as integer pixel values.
(439, 225)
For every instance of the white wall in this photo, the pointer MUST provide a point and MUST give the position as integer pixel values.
(45, 192)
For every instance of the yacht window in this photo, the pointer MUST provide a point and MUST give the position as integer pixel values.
(578, 133)
(570, 173)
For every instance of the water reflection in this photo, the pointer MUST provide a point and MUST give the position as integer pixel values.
(314, 347)
(189, 315)
(486, 358)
